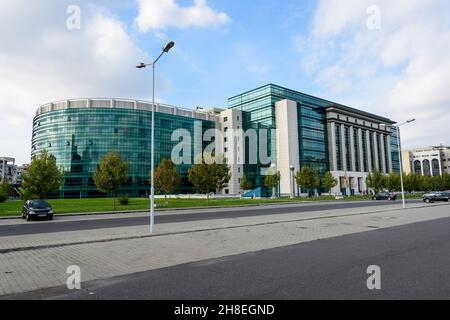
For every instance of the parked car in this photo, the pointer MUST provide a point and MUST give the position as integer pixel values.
(34, 209)
(385, 196)
(436, 196)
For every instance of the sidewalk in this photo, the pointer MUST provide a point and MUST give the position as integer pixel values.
(181, 243)
(36, 241)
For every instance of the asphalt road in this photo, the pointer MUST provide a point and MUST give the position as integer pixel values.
(59, 225)
(414, 261)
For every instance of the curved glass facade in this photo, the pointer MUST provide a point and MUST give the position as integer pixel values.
(79, 137)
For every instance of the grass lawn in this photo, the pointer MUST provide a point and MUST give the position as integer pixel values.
(13, 208)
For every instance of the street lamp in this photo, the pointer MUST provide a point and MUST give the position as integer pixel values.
(293, 181)
(400, 157)
(142, 65)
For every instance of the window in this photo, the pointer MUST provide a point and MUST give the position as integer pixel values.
(225, 119)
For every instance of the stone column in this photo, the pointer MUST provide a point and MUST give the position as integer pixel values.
(389, 155)
(352, 150)
(375, 149)
(369, 152)
(360, 147)
(383, 154)
(332, 145)
(343, 149)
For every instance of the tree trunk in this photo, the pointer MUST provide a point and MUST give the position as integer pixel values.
(207, 197)
(165, 200)
(114, 201)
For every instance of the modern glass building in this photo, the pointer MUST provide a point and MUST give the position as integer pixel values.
(293, 129)
(318, 133)
(79, 132)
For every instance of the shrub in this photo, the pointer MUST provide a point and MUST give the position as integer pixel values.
(3, 197)
(124, 200)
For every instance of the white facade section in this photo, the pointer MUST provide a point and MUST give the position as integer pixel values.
(432, 161)
(198, 113)
(233, 147)
(287, 144)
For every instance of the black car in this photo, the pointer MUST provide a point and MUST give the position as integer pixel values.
(34, 209)
(385, 196)
(436, 196)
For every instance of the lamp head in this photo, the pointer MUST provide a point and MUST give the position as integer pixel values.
(141, 65)
(168, 46)
(411, 120)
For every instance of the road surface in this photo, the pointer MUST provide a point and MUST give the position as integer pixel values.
(414, 261)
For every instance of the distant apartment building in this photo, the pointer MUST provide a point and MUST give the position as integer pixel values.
(430, 161)
(11, 172)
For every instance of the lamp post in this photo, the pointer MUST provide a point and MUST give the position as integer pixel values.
(166, 49)
(293, 181)
(400, 157)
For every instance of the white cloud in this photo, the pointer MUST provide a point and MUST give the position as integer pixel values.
(400, 70)
(334, 78)
(162, 14)
(43, 61)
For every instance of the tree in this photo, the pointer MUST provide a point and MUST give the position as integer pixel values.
(393, 182)
(41, 178)
(5, 191)
(111, 173)
(271, 181)
(412, 182)
(210, 176)
(167, 179)
(307, 178)
(376, 181)
(329, 181)
(446, 180)
(245, 184)
(425, 184)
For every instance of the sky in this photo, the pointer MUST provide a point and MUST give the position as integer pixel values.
(386, 57)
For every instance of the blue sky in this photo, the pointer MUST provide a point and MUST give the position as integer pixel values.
(254, 48)
(389, 58)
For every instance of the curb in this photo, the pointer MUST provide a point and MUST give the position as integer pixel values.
(31, 248)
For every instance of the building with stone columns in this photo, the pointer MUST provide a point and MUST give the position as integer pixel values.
(309, 131)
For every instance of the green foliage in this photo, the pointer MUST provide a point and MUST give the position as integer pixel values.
(209, 176)
(376, 181)
(415, 182)
(271, 181)
(111, 173)
(41, 178)
(124, 200)
(167, 179)
(6, 188)
(328, 182)
(307, 178)
(245, 184)
(5, 191)
(393, 182)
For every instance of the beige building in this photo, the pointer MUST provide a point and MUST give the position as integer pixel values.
(431, 161)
